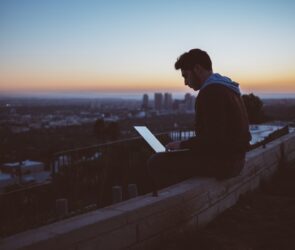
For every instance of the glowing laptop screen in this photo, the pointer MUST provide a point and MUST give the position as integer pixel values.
(150, 138)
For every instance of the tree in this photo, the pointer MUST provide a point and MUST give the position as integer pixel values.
(254, 107)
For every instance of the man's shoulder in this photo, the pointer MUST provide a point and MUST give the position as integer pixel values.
(214, 90)
(215, 87)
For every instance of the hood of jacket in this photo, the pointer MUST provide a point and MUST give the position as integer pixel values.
(222, 80)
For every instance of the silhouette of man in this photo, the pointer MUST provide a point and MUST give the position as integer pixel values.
(221, 126)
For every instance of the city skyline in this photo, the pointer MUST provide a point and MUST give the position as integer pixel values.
(131, 47)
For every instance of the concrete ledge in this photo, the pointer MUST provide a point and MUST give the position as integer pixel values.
(142, 222)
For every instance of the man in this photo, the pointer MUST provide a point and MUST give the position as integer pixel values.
(221, 126)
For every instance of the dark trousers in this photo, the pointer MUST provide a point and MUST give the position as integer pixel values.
(168, 168)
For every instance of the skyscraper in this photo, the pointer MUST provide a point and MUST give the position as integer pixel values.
(189, 101)
(145, 101)
(158, 101)
(168, 101)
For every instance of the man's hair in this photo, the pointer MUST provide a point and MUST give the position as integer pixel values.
(188, 60)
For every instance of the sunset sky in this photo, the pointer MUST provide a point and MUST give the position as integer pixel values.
(131, 45)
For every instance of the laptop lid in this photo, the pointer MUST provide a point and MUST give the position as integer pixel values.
(150, 138)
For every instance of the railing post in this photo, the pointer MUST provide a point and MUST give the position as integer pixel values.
(132, 191)
(117, 194)
(61, 206)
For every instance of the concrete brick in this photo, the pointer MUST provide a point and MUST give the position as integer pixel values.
(254, 153)
(228, 202)
(256, 162)
(32, 239)
(272, 156)
(266, 175)
(275, 143)
(216, 192)
(154, 241)
(254, 183)
(244, 188)
(208, 215)
(290, 157)
(142, 207)
(249, 170)
(49, 246)
(200, 186)
(87, 226)
(195, 205)
(289, 145)
(233, 183)
(117, 239)
(289, 138)
(158, 223)
(273, 167)
(189, 225)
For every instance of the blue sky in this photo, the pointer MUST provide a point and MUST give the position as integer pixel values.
(132, 45)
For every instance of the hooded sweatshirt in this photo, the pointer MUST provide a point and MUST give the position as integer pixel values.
(221, 121)
(222, 80)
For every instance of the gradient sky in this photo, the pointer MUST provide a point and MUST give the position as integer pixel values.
(131, 45)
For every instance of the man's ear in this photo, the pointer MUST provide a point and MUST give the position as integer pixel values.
(197, 68)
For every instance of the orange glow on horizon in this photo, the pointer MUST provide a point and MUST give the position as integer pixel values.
(81, 81)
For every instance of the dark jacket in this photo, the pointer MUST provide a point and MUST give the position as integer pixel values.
(221, 124)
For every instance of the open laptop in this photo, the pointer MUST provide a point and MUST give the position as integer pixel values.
(150, 138)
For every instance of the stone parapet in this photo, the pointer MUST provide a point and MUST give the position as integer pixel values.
(142, 222)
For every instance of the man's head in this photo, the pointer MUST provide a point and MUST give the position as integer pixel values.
(196, 67)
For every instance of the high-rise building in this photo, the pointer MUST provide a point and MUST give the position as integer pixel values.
(145, 101)
(168, 102)
(158, 101)
(189, 101)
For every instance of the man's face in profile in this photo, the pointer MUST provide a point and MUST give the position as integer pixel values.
(191, 79)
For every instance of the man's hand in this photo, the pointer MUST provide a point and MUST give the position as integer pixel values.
(173, 145)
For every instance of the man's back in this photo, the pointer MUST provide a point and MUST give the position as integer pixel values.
(221, 121)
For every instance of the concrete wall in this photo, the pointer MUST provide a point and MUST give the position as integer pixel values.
(142, 222)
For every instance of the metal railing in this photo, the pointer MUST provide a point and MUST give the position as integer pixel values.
(85, 177)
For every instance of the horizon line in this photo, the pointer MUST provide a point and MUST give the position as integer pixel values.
(126, 95)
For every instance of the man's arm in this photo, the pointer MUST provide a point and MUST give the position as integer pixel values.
(173, 145)
(212, 116)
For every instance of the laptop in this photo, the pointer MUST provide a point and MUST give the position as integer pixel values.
(150, 139)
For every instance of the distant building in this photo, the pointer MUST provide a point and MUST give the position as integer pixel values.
(189, 101)
(94, 105)
(168, 102)
(141, 114)
(145, 101)
(158, 101)
(176, 104)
